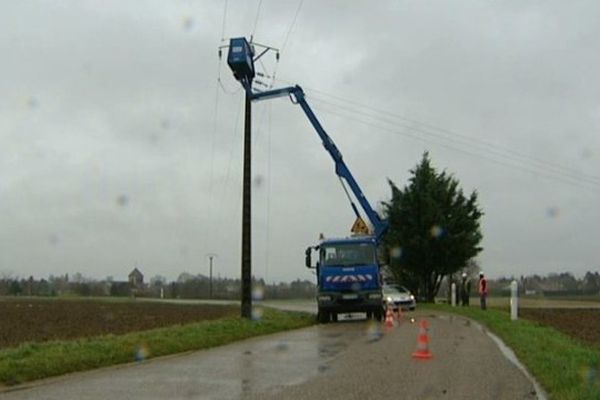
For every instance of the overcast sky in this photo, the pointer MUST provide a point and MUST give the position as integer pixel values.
(118, 148)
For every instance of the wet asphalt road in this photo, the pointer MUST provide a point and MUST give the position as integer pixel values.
(353, 359)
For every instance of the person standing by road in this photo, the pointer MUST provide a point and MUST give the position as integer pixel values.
(465, 289)
(482, 291)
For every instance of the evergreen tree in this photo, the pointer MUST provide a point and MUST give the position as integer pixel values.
(434, 229)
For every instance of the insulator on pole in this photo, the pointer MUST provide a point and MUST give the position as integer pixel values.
(220, 53)
(277, 56)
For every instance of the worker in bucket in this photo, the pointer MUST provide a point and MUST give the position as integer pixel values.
(465, 289)
(482, 290)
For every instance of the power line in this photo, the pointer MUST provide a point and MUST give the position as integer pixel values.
(220, 81)
(213, 145)
(229, 163)
(224, 19)
(268, 202)
(256, 19)
(480, 147)
(446, 134)
(408, 133)
(287, 36)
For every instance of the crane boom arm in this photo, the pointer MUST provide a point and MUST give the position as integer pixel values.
(341, 169)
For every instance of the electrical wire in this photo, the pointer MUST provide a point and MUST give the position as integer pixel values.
(256, 19)
(410, 134)
(479, 147)
(213, 148)
(285, 41)
(220, 81)
(268, 201)
(226, 179)
(287, 36)
(448, 135)
(224, 19)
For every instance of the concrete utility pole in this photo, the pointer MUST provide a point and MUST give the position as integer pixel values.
(241, 58)
(210, 274)
(247, 215)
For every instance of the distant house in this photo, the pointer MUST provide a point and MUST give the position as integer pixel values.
(136, 279)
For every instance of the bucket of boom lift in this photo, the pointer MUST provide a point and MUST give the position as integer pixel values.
(240, 59)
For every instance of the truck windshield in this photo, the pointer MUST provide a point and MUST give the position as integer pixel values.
(347, 254)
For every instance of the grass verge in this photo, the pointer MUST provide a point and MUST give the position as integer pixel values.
(566, 368)
(33, 361)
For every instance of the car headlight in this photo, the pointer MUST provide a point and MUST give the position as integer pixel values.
(324, 298)
(375, 296)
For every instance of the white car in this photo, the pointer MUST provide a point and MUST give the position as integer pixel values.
(396, 296)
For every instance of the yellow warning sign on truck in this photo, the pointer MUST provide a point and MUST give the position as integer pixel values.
(360, 227)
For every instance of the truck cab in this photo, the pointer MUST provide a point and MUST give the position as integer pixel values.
(348, 277)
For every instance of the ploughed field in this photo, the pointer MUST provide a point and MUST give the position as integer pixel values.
(40, 320)
(579, 323)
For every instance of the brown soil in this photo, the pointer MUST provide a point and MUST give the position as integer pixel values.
(34, 320)
(582, 324)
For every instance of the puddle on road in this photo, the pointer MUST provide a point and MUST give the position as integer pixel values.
(262, 366)
(331, 350)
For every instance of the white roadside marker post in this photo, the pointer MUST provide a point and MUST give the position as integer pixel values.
(514, 300)
(453, 294)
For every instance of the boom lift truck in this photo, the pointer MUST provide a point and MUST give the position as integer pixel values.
(348, 272)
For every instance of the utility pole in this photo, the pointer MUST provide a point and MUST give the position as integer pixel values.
(247, 214)
(210, 282)
(241, 58)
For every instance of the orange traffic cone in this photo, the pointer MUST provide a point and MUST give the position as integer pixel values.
(389, 318)
(422, 343)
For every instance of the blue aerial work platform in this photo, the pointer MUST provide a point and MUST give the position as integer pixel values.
(240, 59)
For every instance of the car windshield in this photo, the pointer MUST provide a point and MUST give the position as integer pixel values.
(394, 290)
(347, 254)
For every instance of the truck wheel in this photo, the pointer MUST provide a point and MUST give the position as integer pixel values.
(369, 314)
(323, 317)
(379, 315)
(334, 317)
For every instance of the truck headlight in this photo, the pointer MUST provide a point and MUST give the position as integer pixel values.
(389, 300)
(375, 296)
(412, 297)
(324, 298)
